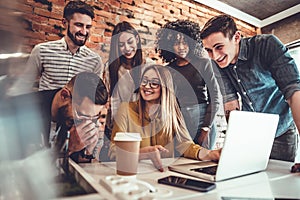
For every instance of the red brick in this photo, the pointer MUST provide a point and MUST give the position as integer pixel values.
(106, 14)
(147, 16)
(177, 1)
(60, 3)
(52, 37)
(139, 16)
(146, 6)
(161, 9)
(42, 12)
(36, 18)
(134, 9)
(123, 18)
(107, 34)
(138, 2)
(99, 31)
(127, 1)
(56, 15)
(101, 25)
(168, 18)
(134, 22)
(114, 3)
(96, 38)
(153, 14)
(175, 10)
(53, 22)
(149, 2)
(188, 4)
(185, 13)
(159, 21)
(98, 18)
(204, 9)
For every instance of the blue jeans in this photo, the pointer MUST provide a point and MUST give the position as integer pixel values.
(194, 116)
(285, 146)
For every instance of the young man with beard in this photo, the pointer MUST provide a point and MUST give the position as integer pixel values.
(262, 71)
(75, 108)
(56, 62)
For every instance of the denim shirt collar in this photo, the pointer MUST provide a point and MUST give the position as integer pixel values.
(243, 54)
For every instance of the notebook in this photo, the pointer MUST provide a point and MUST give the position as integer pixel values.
(247, 147)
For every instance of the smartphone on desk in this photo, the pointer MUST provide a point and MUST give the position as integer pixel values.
(187, 183)
(250, 198)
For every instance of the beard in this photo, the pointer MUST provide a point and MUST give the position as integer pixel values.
(64, 123)
(73, 37)
(63, 119)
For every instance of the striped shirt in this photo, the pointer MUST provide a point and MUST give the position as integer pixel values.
(56, 65)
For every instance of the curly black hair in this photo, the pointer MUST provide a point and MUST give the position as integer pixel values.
(166, 36)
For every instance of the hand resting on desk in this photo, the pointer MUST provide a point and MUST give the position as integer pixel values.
(295, 168)
(213, 155)
(154, 154)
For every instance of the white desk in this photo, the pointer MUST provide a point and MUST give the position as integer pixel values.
(276, 181)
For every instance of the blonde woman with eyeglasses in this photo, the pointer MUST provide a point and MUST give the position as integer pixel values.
(156, 115)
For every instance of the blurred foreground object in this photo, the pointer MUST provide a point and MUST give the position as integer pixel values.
(29, 178)
(25, 167)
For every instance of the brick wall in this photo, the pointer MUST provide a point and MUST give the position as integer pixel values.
(25, 23)
(40, 20)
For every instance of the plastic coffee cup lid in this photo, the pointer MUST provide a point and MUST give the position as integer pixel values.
(125, 136)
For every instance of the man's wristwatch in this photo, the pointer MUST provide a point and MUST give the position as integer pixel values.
(86, 156)
(205, 128)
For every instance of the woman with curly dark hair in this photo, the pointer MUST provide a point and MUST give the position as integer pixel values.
(179, 45)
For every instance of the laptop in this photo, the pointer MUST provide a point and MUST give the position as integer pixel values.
(247, 147)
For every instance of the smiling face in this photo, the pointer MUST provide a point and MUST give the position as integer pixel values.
(222, 49)
(181, 47)
(78, 28)
(150, 87)
(128, 44)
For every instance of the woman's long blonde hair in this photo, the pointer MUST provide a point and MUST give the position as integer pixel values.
(171, 116)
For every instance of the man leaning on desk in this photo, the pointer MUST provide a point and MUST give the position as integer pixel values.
(75, 108)
(262, 71)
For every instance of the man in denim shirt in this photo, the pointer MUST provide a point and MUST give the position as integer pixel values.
(263, 73)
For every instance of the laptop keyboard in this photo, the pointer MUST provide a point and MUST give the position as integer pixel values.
(208, 170)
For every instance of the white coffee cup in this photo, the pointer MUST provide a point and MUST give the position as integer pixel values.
(127, 153)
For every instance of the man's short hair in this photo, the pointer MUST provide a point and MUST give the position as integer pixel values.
(89, 84)
(78, 7)
(222, 23)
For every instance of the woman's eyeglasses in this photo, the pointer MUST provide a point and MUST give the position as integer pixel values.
(153, 83)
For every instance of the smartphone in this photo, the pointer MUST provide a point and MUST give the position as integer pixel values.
(186, 183)
(250, 198)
